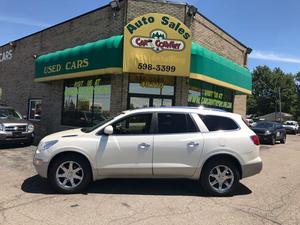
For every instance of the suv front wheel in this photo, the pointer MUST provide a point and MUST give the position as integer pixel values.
(220, 177)
(69, 174)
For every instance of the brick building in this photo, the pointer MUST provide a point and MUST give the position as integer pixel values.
(33, 80)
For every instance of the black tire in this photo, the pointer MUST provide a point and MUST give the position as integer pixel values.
(206, 179)
(272, 140)
(283, 140)
(85, 173)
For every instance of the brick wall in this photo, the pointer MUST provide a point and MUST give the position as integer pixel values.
(214, 39)
(239, 106)
(139, 7)
(16, 75)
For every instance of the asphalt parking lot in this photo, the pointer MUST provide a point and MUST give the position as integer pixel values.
(272, 197)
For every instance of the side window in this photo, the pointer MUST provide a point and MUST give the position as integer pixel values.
(172, 123)
(215, 123)
(35, 109)
(133, 125)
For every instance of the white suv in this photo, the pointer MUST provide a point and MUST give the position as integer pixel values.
(215, 147)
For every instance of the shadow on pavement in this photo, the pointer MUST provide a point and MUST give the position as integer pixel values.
(176, 187)
(265, 147)
(12, 146)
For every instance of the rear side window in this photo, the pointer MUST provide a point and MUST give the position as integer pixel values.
(172, 123)
(215, 123)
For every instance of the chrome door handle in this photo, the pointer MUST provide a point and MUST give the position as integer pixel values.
(143, 146)
(193, 144)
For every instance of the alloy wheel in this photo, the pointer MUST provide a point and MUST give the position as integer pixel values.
(69, 175)
(221, 178)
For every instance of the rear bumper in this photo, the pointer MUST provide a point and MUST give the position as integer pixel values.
(291, 131)
(253, 167)
(264, 138)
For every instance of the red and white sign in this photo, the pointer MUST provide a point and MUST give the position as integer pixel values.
(158, 42)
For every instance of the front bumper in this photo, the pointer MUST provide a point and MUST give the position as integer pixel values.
(252, 167)
(8, 137)
(41, 166)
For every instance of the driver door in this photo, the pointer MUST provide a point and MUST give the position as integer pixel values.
(128, 151)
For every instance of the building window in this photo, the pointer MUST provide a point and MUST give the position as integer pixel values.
(35, 109)
(86, 101)
(209, 95)
(150, 91)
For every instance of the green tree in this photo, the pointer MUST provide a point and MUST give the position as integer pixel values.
(267, 84)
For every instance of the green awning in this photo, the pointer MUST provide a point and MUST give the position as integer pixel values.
(213, 68)
(106, 57)
(100, 57)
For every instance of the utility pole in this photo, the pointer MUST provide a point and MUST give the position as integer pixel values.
(280, 113)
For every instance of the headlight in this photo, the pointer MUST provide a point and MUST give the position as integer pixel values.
(30, 128)
(267, 132)
(46, 145)
(1, 127)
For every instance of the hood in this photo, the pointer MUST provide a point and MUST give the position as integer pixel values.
(64, 134)
(16, 121)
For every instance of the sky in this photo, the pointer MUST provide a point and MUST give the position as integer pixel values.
(269, 27)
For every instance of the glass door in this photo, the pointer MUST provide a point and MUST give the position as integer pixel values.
(158, 102)
(138, 102)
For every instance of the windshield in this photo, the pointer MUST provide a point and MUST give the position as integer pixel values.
(90, 129)
(264, 125)
(9, 114)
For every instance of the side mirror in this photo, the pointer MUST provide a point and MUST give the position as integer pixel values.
(25, 117)
(109, 130)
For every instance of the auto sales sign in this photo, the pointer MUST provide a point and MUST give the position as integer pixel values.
(157, 44)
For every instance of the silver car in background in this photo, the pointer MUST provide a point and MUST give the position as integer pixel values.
(217, 148)
(13, 128)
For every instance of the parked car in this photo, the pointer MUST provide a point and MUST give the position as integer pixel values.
(13, 128)
(215, 147)
(270, 132)
(291, 127)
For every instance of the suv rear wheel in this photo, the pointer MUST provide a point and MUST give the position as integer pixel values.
(69, 174)
(220, 177)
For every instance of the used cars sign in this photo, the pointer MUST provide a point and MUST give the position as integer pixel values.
(157, 44)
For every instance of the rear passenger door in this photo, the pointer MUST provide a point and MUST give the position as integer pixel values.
(178, 145)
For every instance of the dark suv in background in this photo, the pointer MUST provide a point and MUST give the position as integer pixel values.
(270, 132)
(13, 128)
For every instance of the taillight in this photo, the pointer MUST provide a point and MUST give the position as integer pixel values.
(255, 139)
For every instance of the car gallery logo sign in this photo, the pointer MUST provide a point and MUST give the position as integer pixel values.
(157, 44)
